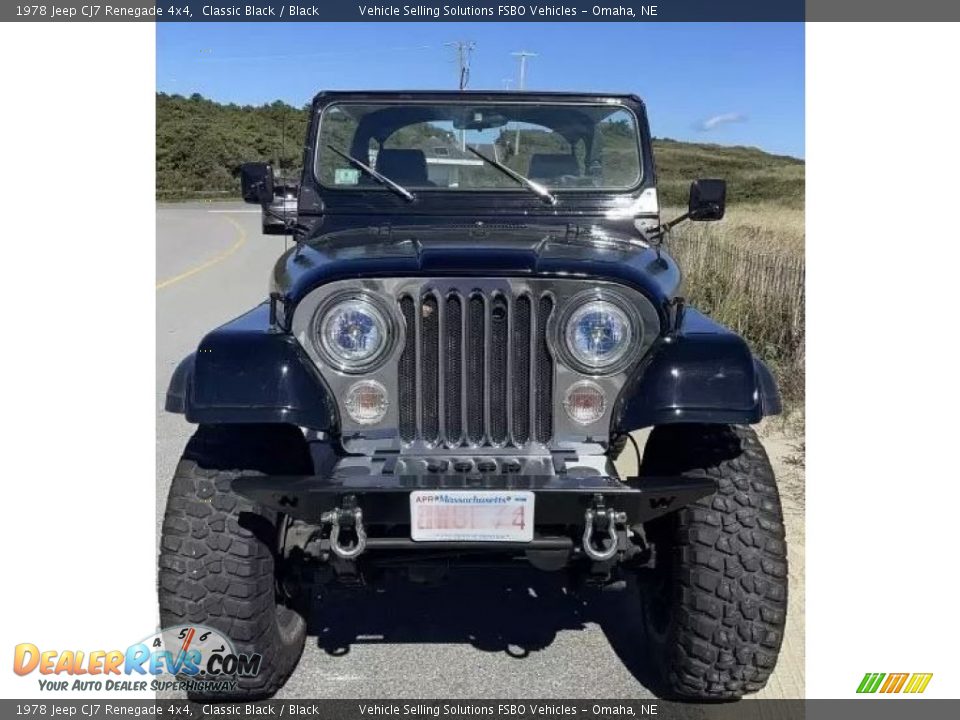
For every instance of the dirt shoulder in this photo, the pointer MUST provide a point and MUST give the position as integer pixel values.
(786, 454)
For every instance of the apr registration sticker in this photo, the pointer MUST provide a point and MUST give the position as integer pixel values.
(346, 176)
(471, 516)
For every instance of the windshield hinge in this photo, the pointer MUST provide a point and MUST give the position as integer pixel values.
(675, 310)
(573, 231)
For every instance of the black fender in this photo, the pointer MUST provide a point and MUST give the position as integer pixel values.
(249, 372)
(702, 373)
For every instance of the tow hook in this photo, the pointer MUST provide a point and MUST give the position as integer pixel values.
(350, 517)
(603, 520)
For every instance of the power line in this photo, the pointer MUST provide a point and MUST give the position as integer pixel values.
(326, 54)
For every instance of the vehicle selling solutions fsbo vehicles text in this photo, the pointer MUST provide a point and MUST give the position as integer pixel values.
(515, 11)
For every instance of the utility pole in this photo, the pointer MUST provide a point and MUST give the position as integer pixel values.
(463, 48)
(522, 56)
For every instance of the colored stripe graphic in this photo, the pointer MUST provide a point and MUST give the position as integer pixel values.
(870, 682)
(895, 682)
(918, 682)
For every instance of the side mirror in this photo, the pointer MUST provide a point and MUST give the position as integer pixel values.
(708, 199)
(256, 182)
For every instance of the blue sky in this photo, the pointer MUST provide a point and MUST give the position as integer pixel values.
(733, 84)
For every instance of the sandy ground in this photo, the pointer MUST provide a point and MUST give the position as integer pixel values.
(788, 680)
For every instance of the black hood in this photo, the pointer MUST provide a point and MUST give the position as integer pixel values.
(475, 250)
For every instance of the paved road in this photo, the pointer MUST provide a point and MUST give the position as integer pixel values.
(486, 635)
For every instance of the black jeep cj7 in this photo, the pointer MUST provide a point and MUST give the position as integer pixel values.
(477, 313)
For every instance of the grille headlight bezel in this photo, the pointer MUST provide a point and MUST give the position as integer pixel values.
(620, 310)
(382, 324)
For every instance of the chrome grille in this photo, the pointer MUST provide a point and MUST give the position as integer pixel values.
(475, 369)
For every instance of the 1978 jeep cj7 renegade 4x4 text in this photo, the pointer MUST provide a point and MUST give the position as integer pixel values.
(477, 312)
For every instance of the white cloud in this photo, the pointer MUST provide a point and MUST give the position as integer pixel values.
(715, 121)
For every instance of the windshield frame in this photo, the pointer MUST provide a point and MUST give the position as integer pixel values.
(638, 125)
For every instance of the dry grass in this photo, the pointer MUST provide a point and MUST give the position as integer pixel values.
(765, 228)
(747, 272)
(752, 175)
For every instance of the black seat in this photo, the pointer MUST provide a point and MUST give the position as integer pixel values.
(405, 166)
(552, 166)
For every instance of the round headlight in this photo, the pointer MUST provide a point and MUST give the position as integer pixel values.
(598, 334)
(353, 334)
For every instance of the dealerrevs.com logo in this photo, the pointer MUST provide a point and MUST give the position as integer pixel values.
(910, 683)
(183, 657)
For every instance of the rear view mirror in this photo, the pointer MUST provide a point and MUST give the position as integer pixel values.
(708, 199)
(256, 182)
(479, 120)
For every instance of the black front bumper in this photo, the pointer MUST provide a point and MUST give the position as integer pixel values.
(385, 498)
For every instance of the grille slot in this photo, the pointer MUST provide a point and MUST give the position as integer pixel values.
(543, 383)
(407, 370)
(521, 370)
(498, 370)
(453, 370)
(475, 369)
(430, 369)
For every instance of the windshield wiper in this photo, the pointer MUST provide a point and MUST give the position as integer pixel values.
(542, 192)
(379, 177)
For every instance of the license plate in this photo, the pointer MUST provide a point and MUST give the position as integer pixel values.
(467, 516)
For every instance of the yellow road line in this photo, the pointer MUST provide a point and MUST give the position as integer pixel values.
(241, 239)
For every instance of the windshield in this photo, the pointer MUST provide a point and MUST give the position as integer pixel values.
(425, 146)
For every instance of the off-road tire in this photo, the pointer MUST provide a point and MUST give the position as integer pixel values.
(218, 551)
(716, 605)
